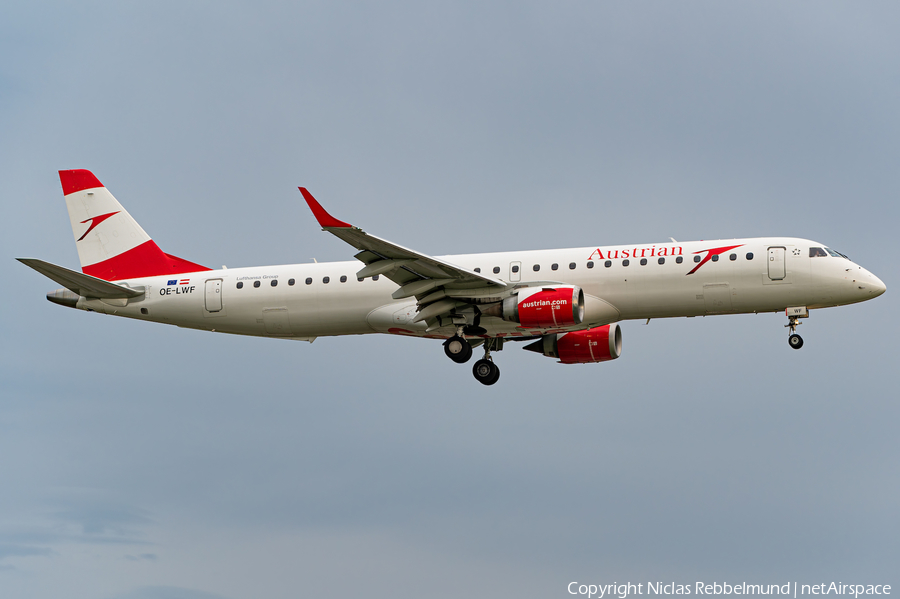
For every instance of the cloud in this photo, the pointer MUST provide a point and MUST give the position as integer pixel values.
(166, 592)
(152, 557)
(16, 550)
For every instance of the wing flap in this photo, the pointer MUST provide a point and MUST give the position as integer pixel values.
(418, 287)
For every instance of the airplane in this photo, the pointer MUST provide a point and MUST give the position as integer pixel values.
(565, 303)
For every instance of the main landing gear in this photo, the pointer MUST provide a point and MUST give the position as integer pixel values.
(459, 350)
(794, 315)
(485, 371)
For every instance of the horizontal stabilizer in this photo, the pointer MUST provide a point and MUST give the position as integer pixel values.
(82, 284)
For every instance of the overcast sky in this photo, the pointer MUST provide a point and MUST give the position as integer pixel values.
(142, 461)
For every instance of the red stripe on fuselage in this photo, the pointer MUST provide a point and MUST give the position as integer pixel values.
(77, 180)
(145, 260)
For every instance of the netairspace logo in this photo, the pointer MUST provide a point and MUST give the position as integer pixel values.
(791, 589)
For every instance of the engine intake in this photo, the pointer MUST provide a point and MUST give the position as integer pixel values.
(599, 344)
(543, 307)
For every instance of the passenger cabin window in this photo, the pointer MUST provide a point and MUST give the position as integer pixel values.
(571, 266)
(515, 268)
(274, 282)
(477, 270)
(256, 283)
(326, 280)
(536, 267)
(360, 279)
(643, 262)
(309, 280)
(749, 255)
(496, 270)
(732, 257)
(240, 285)
(817, 252)
(626, 262)
(343, 278)
(661, 261)
(375, 278)
(291, 282)
(715, 258)
(608, 263)
(696, 258)
(679, 259)
(554, 266)
(590, 264)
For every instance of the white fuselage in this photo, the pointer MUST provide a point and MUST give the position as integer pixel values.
(781, 273)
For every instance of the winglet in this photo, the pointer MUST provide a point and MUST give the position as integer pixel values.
(325, 219)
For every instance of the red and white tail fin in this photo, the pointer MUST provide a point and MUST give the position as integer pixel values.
(111, 245)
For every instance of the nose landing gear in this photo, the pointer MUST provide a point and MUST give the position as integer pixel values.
(794, 315)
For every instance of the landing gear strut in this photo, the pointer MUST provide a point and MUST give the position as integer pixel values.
(794, 315)
(485, 371)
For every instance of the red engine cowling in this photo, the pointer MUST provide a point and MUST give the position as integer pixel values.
(599, 344)
(545, 307)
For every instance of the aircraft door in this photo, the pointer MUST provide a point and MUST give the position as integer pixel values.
(515, 271)
(776, 263)
(214, 295)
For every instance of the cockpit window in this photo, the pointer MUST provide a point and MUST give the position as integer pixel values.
(816, 252)
(835, 254)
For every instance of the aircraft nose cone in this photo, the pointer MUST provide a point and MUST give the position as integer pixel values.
(877, 286)
(869, 284)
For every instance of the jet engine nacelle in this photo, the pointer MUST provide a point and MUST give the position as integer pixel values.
(545, 307)
(599, 344)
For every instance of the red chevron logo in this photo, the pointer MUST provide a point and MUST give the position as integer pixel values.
(96, 220)
(710, 253)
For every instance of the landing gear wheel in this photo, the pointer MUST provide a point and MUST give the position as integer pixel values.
(486, 372)
(795, 341)
(458, 349)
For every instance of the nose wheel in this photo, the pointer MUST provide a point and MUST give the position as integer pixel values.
(795, 340)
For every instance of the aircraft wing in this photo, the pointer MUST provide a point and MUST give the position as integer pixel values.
(417, 274)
